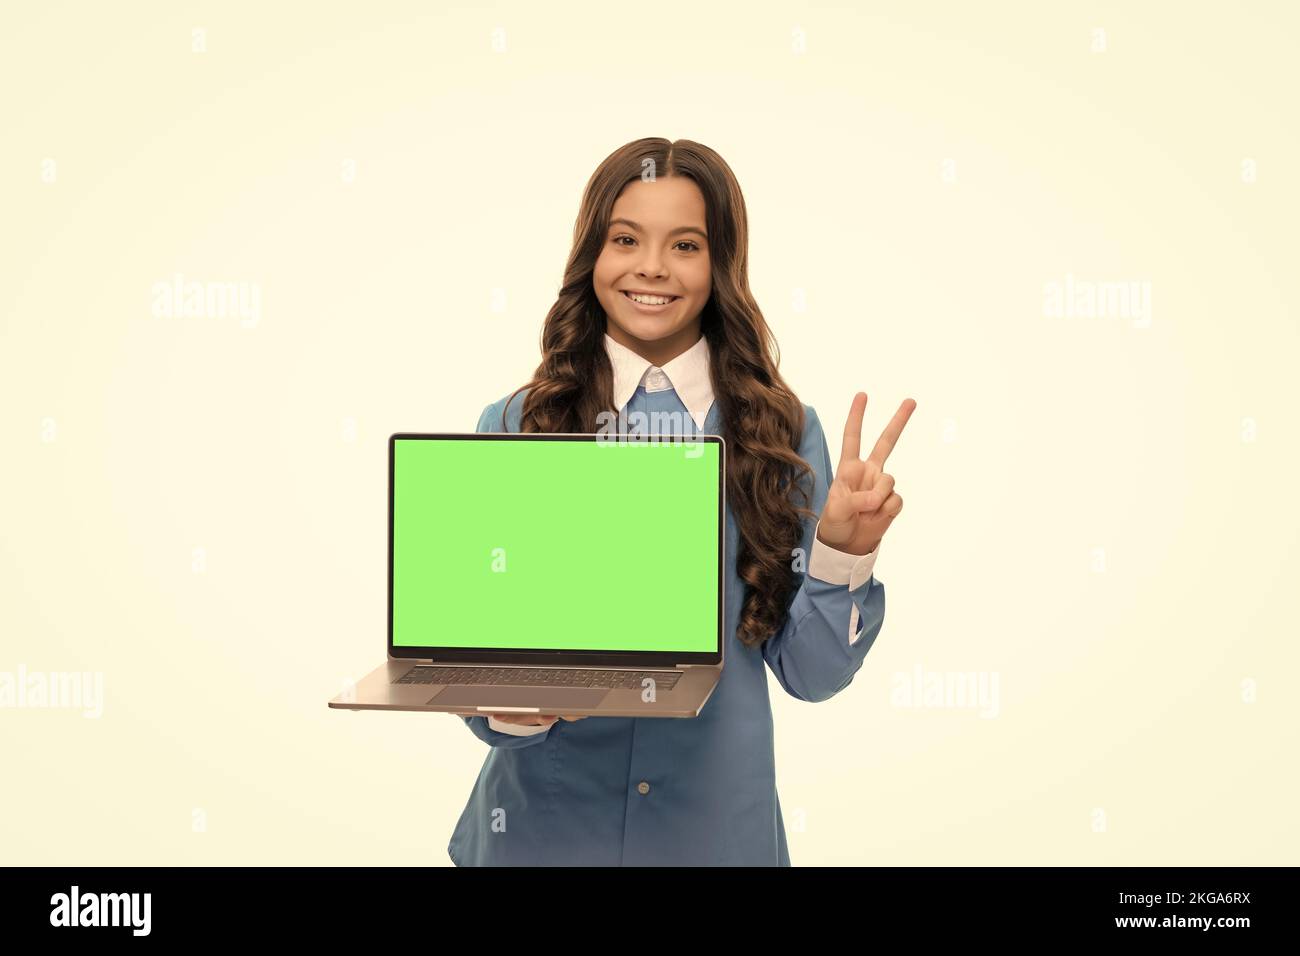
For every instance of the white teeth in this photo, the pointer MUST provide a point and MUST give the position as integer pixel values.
(649, 299)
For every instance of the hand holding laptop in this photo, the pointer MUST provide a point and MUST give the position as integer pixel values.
(533, 720)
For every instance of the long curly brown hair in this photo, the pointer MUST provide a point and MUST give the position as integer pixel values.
(763, 420)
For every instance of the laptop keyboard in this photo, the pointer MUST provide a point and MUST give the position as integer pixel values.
(538, 677)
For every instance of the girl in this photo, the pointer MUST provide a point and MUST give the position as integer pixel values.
(655, 315)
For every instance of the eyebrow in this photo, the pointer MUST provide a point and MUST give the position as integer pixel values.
(679, 229)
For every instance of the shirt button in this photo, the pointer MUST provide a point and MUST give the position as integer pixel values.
(643, 787)
(656, 379)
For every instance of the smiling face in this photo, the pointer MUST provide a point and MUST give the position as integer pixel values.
(656, 244)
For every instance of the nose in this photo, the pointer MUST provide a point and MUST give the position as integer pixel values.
(651, 266)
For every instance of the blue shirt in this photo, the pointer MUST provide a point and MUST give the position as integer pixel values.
(653, 791)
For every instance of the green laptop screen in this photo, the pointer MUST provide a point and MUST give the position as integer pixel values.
(555, 544)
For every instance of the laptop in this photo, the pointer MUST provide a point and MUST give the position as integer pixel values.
(552, 574)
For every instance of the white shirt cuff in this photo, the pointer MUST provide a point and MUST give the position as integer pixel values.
(840, 567)
(517, 730)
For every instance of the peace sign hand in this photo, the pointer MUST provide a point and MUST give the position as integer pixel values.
(861, 501)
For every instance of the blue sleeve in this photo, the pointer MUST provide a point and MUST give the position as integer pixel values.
(811, 655)
(490, 421)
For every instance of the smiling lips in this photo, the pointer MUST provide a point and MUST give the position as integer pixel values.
(649, 300)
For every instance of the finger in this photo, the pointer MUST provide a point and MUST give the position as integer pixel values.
(893, 505)
(851, 448)
(880, 493)
(885, 444)
(850, 474)
(840, 508)
(868, 476)
(861, 503)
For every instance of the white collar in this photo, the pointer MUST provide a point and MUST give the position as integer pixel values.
(687, 374)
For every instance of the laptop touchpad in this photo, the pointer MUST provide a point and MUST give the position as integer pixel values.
(543, 698)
